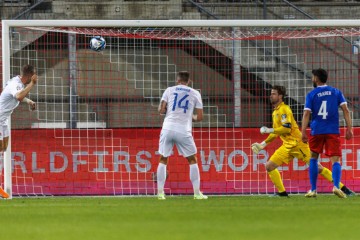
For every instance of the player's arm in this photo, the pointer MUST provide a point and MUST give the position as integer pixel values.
(306, 118)
(271, 138)
(257, 147)
(162, 107)
(284, 127)
(22, 93)
(304, 125)
(347, 117)
(163, 103)
(343, 105)
(30, 102)
(198, 117)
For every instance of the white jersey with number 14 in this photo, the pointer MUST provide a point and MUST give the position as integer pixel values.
(181, 101)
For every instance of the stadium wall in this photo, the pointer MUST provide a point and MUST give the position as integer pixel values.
(128, 160)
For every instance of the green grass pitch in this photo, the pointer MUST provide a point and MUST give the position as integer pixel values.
(180, 217)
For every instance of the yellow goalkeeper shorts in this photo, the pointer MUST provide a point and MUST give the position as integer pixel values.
(285, 155)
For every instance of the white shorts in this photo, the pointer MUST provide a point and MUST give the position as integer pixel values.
(4, 132)
(184, 143)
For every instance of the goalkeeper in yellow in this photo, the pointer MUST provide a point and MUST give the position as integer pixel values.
(285, 127)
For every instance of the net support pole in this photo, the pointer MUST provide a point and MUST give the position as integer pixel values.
(237, 82)
(6, 76)
(72, 79)
(264, 10)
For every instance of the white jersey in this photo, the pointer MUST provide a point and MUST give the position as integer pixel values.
(8, 101)
(181, 101)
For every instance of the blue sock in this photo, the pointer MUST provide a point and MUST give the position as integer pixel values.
(336, 174)
(313, 172)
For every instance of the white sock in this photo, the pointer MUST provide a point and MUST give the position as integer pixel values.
(161, 177)
(195, 178)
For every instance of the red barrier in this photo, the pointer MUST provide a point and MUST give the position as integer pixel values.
(122, 161)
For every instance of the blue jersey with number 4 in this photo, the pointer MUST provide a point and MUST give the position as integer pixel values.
(324, 102)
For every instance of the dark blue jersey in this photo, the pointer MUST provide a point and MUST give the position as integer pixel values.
(324, 102)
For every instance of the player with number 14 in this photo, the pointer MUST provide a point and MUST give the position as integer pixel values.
(178, 103)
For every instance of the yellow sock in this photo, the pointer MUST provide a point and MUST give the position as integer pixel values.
(326, 173)
(276, 179)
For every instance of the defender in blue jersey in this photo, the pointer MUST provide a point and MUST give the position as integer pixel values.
(322, 104)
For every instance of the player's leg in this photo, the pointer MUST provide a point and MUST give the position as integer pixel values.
(302, 152)
(275, 177)
(316, 144)
(3, 146)
(336, 170)
(323, 171)
(166, 145)
(161, 176)
(336, 175)
(195, 177)
(4, 140)
(327, 174)
(194, 174)
(333, 150)
(277, 159)
(186, 146)
(313, 170)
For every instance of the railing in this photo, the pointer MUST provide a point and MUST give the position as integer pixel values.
(18, 9)
(277, 9)
(267, 10)
(25, 13)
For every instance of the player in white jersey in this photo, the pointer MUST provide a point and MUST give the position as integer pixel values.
(14, 92)
(179, 103)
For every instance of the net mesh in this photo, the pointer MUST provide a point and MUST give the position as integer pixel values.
(96, 129)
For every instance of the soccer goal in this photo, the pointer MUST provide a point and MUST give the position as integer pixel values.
(96, 128)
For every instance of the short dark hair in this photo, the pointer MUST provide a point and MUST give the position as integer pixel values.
(27, 70)
(280, 89)
(321, 74)
(184, 76)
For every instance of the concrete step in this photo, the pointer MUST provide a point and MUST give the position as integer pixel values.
(297, 88)
(22, 37)
(60, 112)
(136, 66)
(22, 117)
(122, 115)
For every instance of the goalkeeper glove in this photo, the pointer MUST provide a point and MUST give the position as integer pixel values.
(257, 147)
(266, 130)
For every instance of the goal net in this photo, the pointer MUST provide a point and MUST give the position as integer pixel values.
(96, 128)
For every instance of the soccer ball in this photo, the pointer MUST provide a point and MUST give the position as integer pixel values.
(97, 43)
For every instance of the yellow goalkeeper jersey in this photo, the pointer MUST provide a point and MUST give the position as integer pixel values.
(283, 120)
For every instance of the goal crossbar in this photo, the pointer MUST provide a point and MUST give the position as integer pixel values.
(181, 23)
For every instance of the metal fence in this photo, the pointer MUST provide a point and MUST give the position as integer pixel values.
(178, 9)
